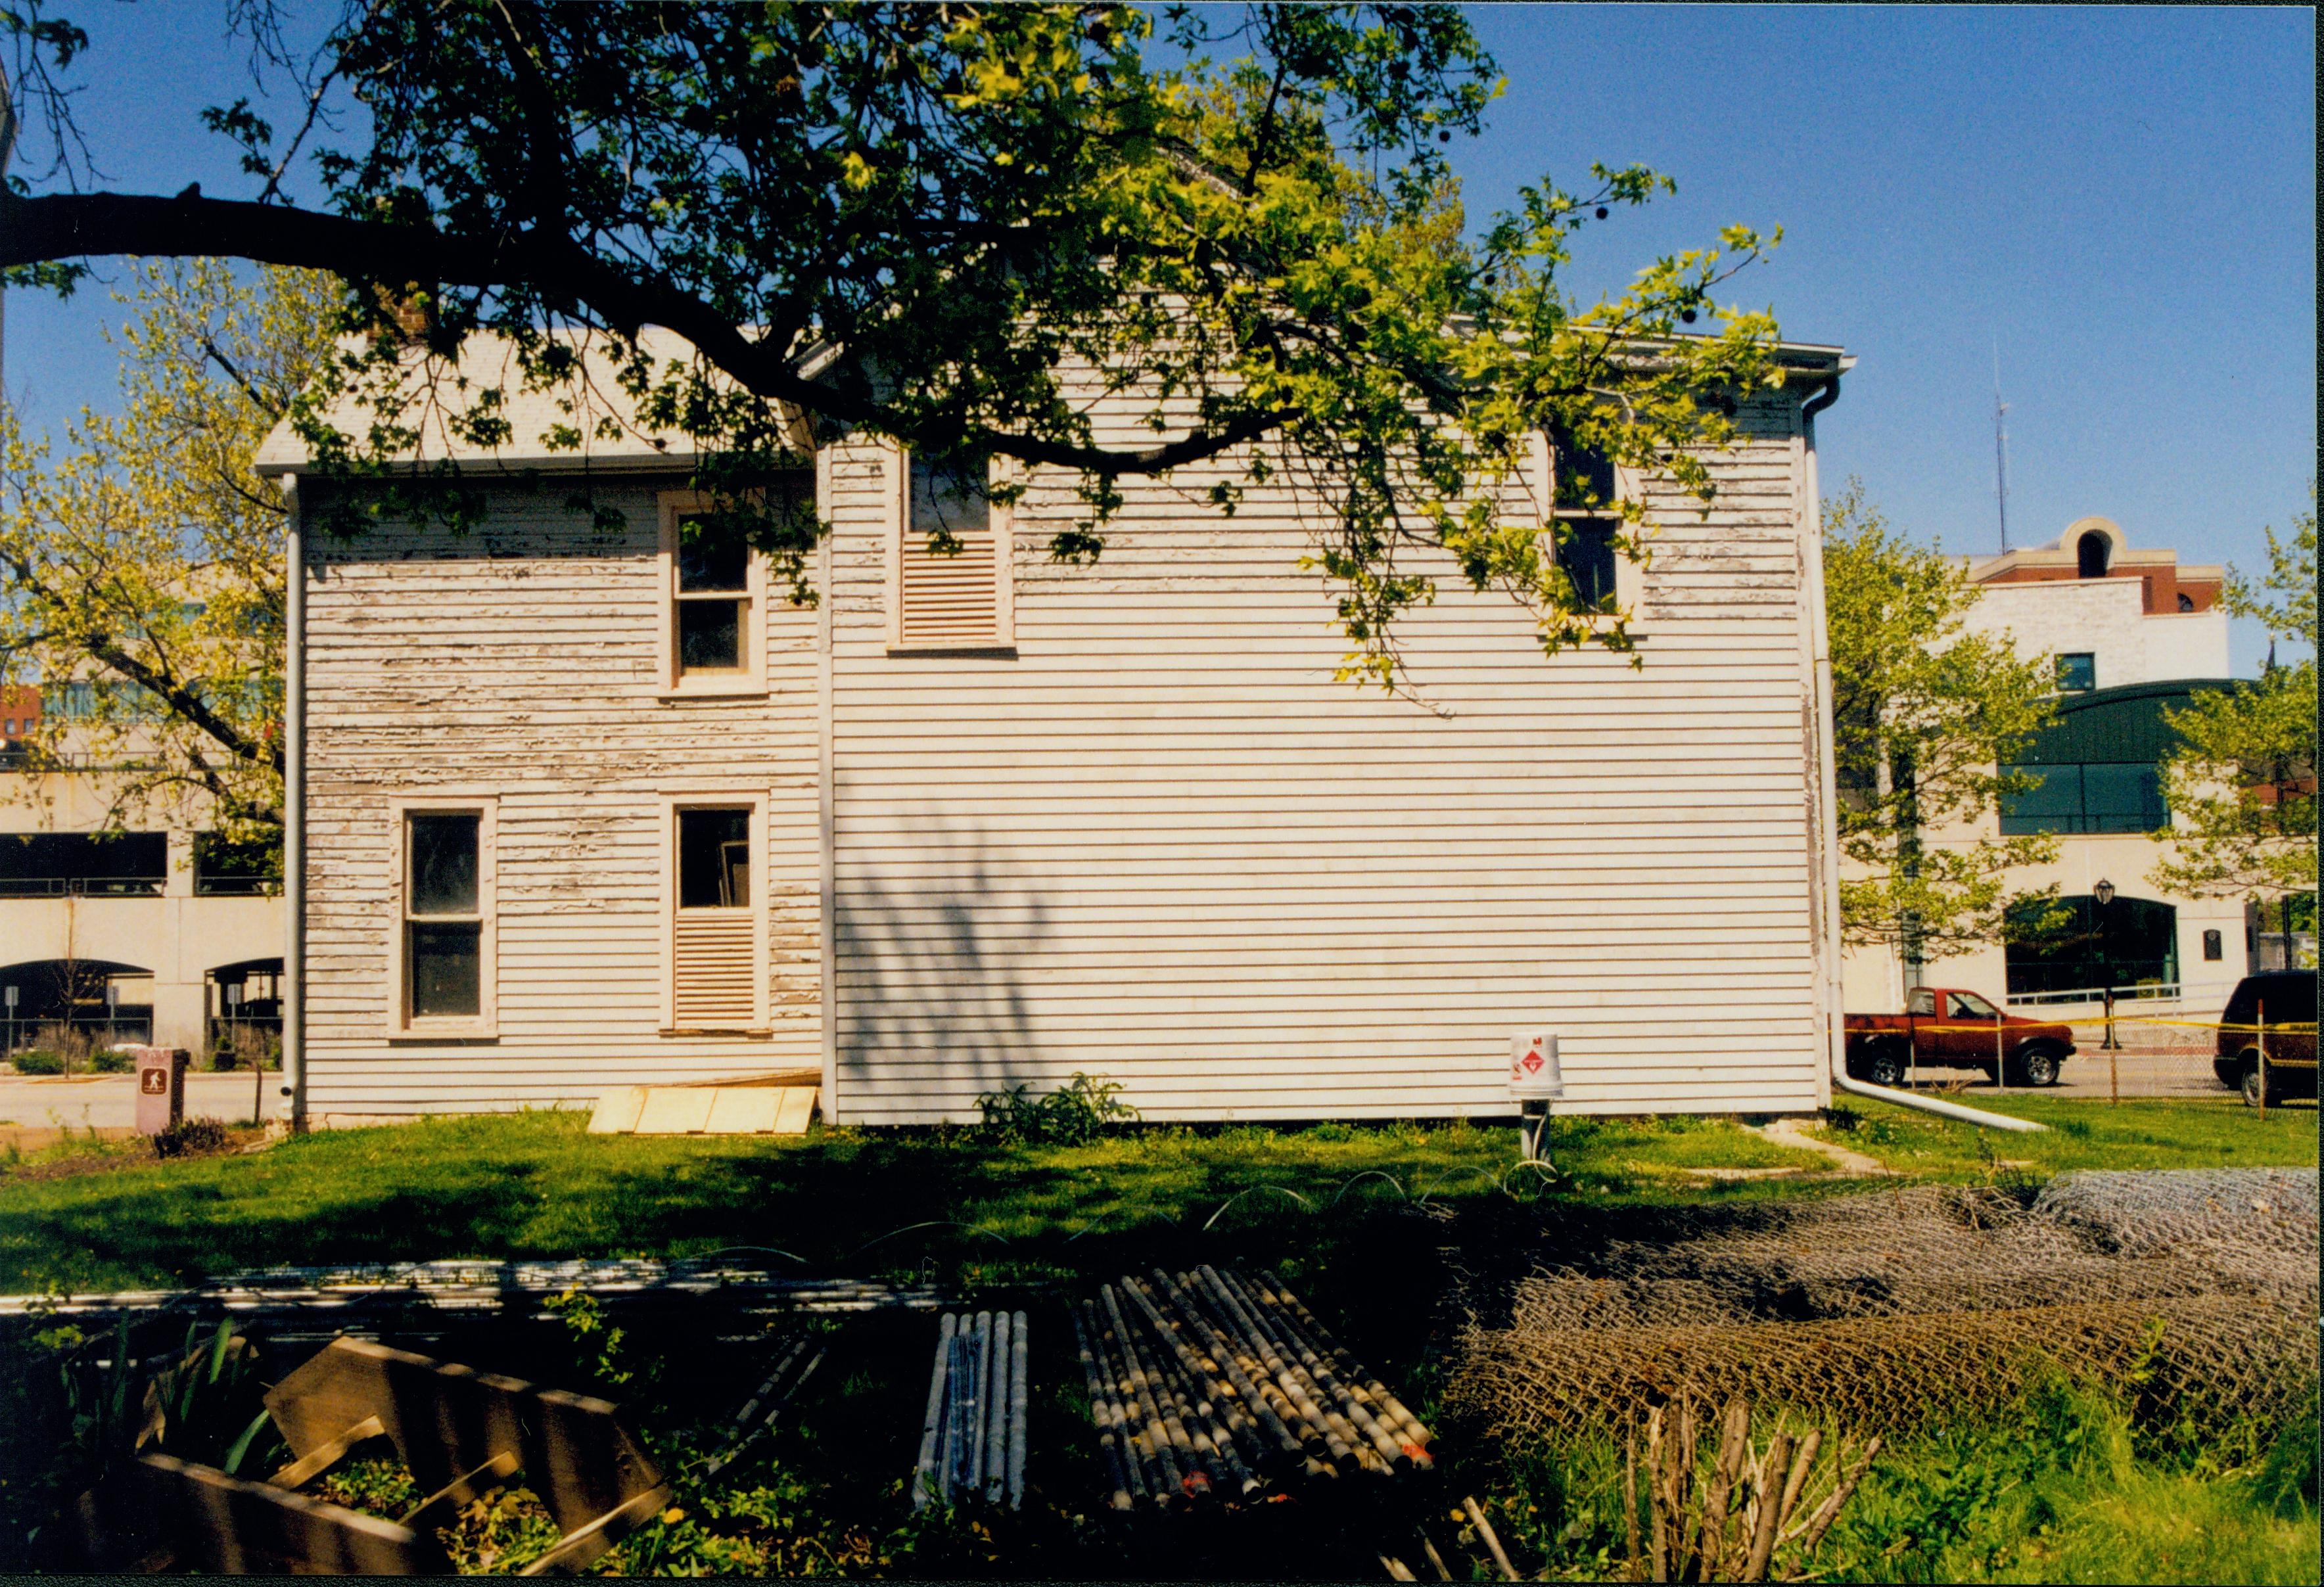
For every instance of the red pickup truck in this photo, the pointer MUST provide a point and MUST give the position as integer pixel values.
(1944, 1026)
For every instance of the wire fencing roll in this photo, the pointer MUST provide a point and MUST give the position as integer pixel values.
(2194, 1292)
(1211, 1384)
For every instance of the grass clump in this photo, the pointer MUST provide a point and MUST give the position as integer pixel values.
(2080, 1133)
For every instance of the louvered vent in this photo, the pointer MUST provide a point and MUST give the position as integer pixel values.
(712, 981)
(955, 599)
(951, 600)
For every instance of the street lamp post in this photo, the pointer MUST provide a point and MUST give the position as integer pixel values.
(2103, 894)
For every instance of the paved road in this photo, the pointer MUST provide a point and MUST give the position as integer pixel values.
(2184, 1073)
(110, 1100)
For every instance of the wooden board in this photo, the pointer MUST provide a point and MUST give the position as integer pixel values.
(447, 1420)
(798, 1110)
(617, 1111)
(670, 1110)
(749, 1110)
(227, 1527)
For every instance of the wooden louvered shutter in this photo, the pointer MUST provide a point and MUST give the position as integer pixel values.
(715, 984)
(955, 600)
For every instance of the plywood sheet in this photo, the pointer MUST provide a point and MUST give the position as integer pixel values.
(798, 1110)
(673, 1111)
(744, 1111)
(618, 1110)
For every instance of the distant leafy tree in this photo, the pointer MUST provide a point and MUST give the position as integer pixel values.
(2242, 783)
(939, 223)
(1924, 717)
(141, 573)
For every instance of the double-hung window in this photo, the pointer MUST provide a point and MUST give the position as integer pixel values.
(949, 553)
(715, 914)
(714, 599)
(1580, 491)
(443, 956)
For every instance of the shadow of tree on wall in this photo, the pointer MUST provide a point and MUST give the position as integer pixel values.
(933, 964)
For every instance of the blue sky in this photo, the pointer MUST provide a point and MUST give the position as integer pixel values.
(2124, 199)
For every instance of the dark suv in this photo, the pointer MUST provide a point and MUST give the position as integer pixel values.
(2288, 999)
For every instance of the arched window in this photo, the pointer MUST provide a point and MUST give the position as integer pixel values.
(2126, 943)
(2090, 553)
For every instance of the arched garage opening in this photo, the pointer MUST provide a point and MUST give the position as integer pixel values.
(96, 999)
(2128, 944)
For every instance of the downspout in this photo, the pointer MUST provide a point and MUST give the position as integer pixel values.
(1827, 806)
(294, 812)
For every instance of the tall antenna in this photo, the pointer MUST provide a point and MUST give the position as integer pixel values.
(2000, 448)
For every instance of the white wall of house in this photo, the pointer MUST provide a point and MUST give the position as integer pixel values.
(1157, 844)
(1162, 845)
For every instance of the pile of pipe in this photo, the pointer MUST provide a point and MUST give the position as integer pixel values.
(1207, 1385)
(972, 1440)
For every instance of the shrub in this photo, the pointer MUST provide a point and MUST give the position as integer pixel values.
(36, 1060)
(111, 1060)
(190, 1138)
(1079, 1111)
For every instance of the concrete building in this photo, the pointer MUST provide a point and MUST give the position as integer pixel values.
(144, 934)
(2135, 634)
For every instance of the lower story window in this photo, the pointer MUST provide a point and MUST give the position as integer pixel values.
(714, 931)
(445, 897)
(1585, 550)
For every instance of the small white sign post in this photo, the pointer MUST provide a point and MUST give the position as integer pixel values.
(1535, 1077)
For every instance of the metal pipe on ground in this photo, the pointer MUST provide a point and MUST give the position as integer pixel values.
(1206, 1426)
(1193, 1476)
(1019, 1392)
(1214, 1399)
(924, 1473)
(996, 1411)
(1397, 1416)
(1317, 1428)
(1268, 1428)
(1930, 1104)
(1384, 1443)
(1350, 1448)
(1247, 1358)
(1102, 1411)
(1148, 1412)
(979, 1406)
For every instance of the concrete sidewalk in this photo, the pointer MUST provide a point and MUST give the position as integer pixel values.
(109, 1101)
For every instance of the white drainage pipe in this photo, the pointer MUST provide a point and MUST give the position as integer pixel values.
(1930, 1104)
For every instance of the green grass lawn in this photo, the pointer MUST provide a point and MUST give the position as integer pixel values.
(2082, 1132)
(535, 1185)
(957, 1203)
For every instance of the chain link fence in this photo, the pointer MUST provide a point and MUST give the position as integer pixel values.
(2194, 1291)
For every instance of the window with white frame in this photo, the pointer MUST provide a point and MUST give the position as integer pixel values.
(443, 949)
(716, 948)
(1580, 491)
(949, 576)
(714, 595)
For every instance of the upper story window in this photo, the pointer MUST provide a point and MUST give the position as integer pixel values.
(50, 864)
(235, 870)
(950, 579)
(2078, 671)
(1582, 491)
(2096, 796)
(713, 597)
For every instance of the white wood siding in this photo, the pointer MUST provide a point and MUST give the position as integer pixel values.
(524, 660)
(1162, 845)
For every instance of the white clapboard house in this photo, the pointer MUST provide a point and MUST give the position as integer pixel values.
(576, 811)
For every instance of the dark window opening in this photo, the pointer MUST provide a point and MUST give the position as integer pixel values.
(2213, 951)
(444, 864)
(53, 863)
(447, 968)
(714, 859)
(1585, 550)
(710, 558)
(2096, 798)
(709, 636)
(2078, 671)
(2126, 943)
(230, 870)
(2090, 554)
(2186, 601)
